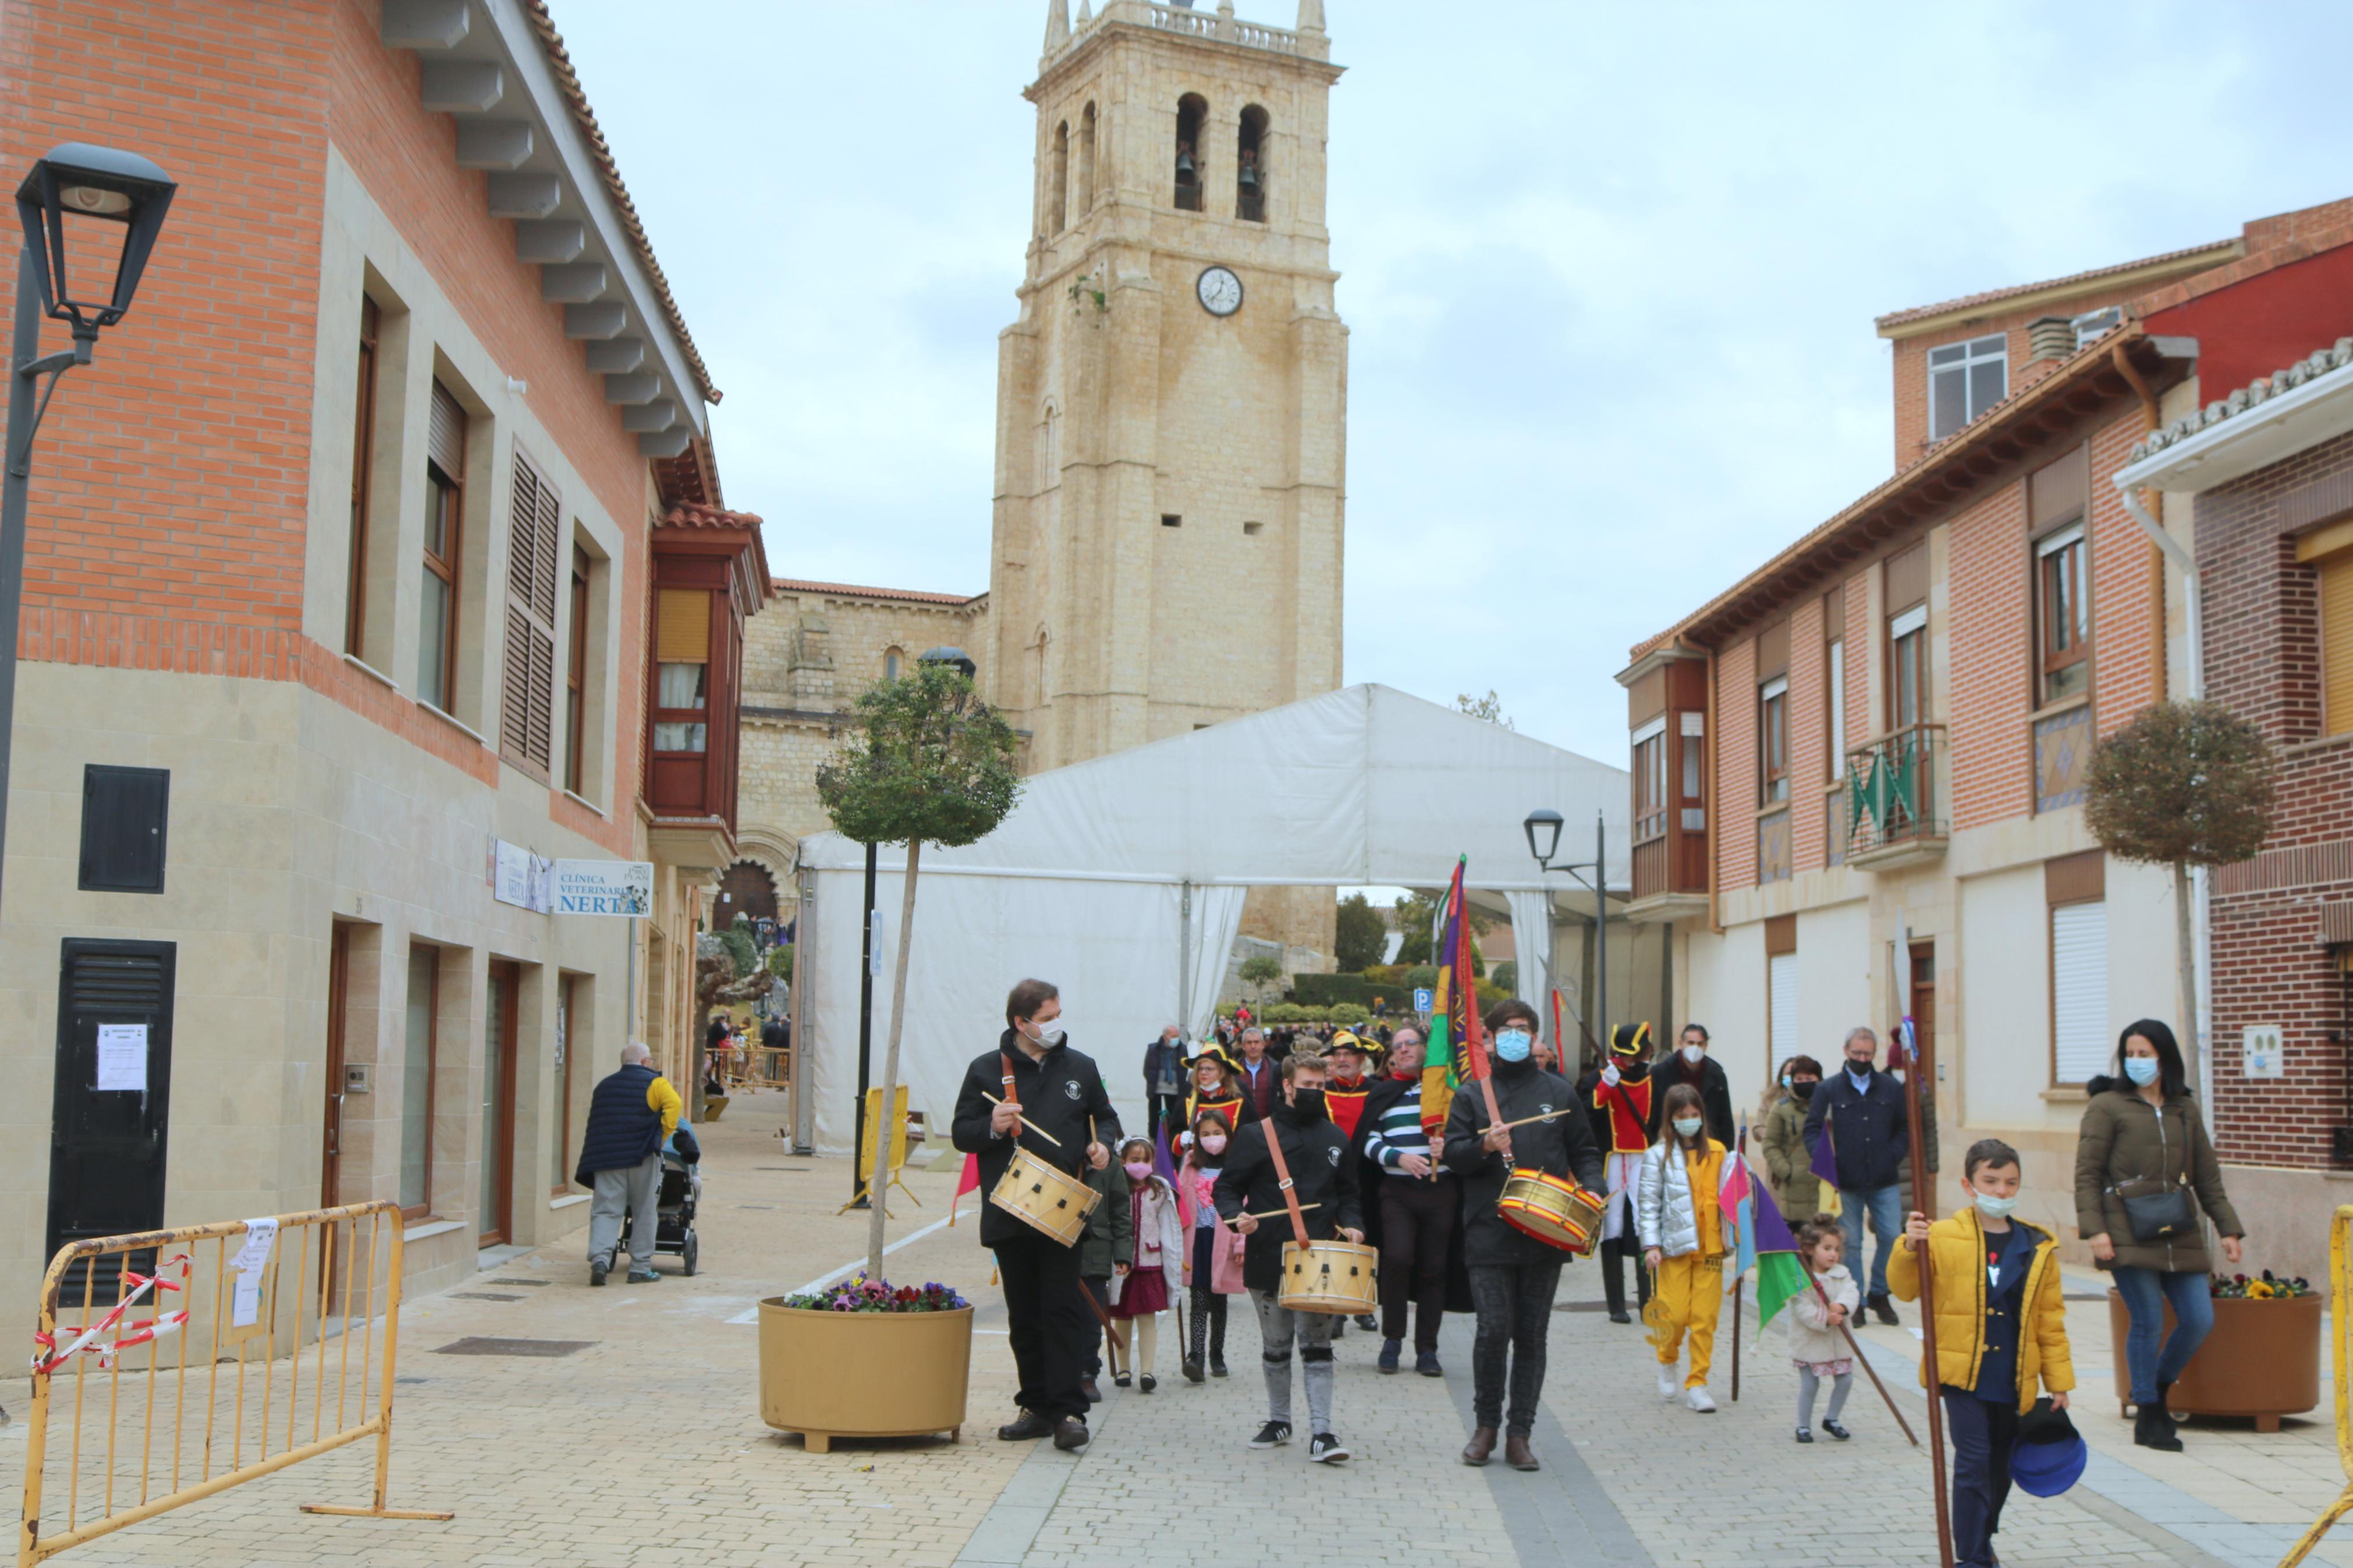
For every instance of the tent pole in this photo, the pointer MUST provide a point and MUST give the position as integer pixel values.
(1601, 924)
(1184, 960)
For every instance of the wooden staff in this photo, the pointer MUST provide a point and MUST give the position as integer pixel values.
(1868, 1370)
(1921, 1195)
(1739, 1281)
(1033, 1126)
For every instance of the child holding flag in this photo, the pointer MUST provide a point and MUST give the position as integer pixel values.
(1815, 1314)
(1683, 1240)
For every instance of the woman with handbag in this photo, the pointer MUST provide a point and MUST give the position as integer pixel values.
(2142, 1156)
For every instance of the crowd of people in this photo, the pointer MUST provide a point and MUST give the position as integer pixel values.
(1322, 1132)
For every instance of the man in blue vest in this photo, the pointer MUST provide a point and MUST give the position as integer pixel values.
(620, 1159)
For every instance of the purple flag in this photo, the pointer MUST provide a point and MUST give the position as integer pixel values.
(1825, 1162)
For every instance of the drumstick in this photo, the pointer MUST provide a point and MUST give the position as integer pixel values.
(1272, 1214)
(1523, 1121)
(1033, 1127)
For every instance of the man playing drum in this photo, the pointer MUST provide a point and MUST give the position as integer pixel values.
(1249, 1195)
(1059, 1093)
(1514, 1274)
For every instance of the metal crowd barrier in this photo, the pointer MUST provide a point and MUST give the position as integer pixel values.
(181, 1374)
(2341, 1334)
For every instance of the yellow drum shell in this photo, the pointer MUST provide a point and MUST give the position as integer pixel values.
(1330, 1277)
(1044, 1198)
(1553, 1209)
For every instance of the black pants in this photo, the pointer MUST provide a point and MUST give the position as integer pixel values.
(1166, 1114)
(1050, 1323)
(1418, 1221)
(1983, 1435)
(1099, 1287)
(1613, 1276)
(1515, 1304)
(1209, 1306)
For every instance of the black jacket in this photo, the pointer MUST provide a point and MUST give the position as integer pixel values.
(1372, 1181)
(1163, 1055)
(1061, 1093)
(1867, 1130)
(1317, 1155)
(1563, 1146)
(1714, 1093)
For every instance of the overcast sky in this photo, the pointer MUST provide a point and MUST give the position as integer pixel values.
(1610, 270)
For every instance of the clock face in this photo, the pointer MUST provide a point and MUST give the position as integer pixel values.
(1220, 291)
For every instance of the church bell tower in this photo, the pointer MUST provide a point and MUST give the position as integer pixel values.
(1172, 401)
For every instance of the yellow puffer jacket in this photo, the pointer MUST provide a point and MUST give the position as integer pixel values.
(1957, 1257)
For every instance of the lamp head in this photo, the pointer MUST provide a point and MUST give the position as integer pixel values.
(954, 658)
(1543, 834)
(111, 205)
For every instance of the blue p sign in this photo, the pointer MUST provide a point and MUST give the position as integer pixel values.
(1422, 1000)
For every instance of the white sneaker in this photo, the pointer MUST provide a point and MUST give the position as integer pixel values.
(1698, 1400)
(1670, 1381)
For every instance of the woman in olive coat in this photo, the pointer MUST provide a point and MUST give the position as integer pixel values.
(1787, 1159)
(2143, 1138)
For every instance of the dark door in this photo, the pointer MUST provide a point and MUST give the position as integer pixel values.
(339, 979)
(107, 1134)
(498, 1105)
(1924, 1005)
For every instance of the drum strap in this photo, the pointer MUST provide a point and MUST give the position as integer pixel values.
(1282, 1178)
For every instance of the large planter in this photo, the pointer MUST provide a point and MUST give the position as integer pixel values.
(862, 1374)
(2263, 1360)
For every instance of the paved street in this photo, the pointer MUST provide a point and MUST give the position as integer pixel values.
(646, 1447)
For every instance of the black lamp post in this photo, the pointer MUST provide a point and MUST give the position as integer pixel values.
(1543, 826)
(87, 210)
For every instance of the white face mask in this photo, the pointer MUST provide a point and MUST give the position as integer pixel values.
(1694, 1054)
(1993, 1207)
(1688, 1126)
(1047, 1035)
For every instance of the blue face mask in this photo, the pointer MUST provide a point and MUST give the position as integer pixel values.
(2142, 1070)
(1513, 1044)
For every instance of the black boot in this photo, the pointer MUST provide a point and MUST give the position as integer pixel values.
(2149, 1429)
(2164, 1413)
(1613, 1280)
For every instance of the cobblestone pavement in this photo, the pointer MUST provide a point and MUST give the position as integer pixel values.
(647, 1447)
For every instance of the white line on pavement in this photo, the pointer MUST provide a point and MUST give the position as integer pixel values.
(751, 1314)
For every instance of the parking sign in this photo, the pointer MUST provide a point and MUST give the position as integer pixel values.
(1422, 1000)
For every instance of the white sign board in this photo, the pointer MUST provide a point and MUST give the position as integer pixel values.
(604, 888)
(123, 1057)
(2266, 1051)
(522, 879)
(1422, 999)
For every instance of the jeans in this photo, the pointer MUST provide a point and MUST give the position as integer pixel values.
(1050, 1326)
(2146, 1292)
(1515, 1315)
(1886, 1207)
(1983, 1435)
(1418, 1221)
(634, 1190)
(1277, 1326)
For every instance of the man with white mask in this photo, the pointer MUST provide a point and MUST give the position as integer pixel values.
(1689, 1063)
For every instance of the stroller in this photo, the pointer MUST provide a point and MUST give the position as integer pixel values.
(681, 1188)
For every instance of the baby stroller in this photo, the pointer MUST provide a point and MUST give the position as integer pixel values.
(681, 1187)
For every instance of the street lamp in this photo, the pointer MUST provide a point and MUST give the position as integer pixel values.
(1543, 826)
(954, 657)
(110, 205)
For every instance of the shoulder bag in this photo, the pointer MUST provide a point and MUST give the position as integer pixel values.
(2163, 1214)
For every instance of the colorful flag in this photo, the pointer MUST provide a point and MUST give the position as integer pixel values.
(969, 1182)
(1457, 1048)
(1734, 1209)
(1781, 1273)
(1825, 1165)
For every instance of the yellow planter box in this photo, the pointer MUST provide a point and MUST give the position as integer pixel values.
(863, 1374)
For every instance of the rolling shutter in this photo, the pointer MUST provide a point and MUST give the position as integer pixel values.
(684, 634)
(2079, 990)
(2337, 644)
(527, 691)
(1781, 997)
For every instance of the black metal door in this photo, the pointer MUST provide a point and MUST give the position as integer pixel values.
(106, 1145)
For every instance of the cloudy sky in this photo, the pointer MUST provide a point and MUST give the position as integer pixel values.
(1610, 270)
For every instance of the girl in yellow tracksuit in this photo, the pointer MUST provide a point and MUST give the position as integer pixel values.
(1682, 1240)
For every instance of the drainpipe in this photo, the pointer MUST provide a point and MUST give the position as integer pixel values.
(1710, 795)
(2149, 422)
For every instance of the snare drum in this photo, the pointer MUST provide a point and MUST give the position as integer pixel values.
(1044, 1198)
(1330, 1277)
(1553, 1209)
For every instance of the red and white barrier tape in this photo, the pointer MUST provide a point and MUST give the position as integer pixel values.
(141, 1331)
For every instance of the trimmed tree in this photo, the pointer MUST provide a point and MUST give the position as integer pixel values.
(1359, 934)
(930, 762)
(1260, 970)
(2185, 784)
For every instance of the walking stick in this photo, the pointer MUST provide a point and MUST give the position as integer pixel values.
(1922, 1195)
(1869, 1371)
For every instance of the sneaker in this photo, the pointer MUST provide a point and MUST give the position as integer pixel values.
(643, 1276)
(1273, 1435)
(597, 1270)
(1670, 1381)
(1216, 1366)
(1837, 1431)
(1327, 1450)
(1367, 1323)
(1029, 1425)
(1147, 1383)
(1805, 1434)
(1070, 1434)
(1193, 1373)
(1698, 1400)
(1426, 1363)
(1391, 1350)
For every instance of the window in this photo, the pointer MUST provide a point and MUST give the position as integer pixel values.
(1908, 645)
(363, 459)
(1773, 740)
(1192, 112)
(527, 691)
(418, 1049)
(1834, 681)
(2095, 324)
(1252, 529)
(1171, 519)
(2075, 886)
(1057, 192)
(575, 680)
(1250, 171)
(1086, 160)
(1780, 990)
(2330, 553)
(682, 672)
(2062, 615)
(1650, 780)
(1964, 380)
(890, 664)
(445, 508)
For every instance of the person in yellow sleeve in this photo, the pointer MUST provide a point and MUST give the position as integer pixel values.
(2000, 1329)
(1683, 1241)
(620, 1160)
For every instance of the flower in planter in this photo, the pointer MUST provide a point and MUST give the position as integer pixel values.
(2240, 1288)
(859, 1294)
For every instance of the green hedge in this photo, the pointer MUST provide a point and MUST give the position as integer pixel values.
(1325, 990)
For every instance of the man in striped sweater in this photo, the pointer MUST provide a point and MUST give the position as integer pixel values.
(1411, 1209)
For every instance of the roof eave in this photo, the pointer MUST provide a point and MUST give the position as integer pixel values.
(2157, 270)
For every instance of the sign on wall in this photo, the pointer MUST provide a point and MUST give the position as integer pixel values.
(2265, 1049)
(522, 879)
(624, 887)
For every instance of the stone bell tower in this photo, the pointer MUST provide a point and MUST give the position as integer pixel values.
(1172, 401)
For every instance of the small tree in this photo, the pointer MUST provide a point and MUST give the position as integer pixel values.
(2185, 784)
(1260, 970)
(932, 762)
(1359, 934)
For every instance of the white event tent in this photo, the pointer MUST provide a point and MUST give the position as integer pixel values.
(1121, 879)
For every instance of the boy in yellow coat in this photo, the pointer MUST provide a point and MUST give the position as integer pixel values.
(2000, 1329)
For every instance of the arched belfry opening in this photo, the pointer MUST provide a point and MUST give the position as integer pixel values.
(1058, 184)
(1086, 161)
(1192, 114)
(1249, 166)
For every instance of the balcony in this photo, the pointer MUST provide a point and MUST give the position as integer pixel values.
(1893, 809)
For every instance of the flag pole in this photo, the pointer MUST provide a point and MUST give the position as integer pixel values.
(1922, 1196)
(1738, 1283)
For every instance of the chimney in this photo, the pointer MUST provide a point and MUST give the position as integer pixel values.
(2050, 338)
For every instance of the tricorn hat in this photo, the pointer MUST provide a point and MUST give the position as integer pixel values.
(2049, 1456)
(1629, 1040)
(1211, 1052)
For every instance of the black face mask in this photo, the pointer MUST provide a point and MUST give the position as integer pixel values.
(1306, 1105)
(1803, 1089)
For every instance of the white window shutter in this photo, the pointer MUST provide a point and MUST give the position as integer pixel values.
(2079, 992)
(1782, 984)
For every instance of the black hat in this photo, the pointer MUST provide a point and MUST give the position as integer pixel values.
(1630, 1039)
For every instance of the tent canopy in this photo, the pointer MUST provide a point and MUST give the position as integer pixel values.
(1121, 878)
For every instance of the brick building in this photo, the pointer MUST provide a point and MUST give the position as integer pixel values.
(384, 532)
(1858, 772)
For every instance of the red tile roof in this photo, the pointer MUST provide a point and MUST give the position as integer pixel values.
(552, 42)
(851, 591)
(1995, 296)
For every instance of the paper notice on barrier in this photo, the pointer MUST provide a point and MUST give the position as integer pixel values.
(252, 1266)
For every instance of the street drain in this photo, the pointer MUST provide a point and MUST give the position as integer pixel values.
(477, 1345)
(482, 1296)
(502, 1280)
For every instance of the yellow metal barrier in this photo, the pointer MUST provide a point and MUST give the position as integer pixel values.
(2341, 1333)
(139, 1302)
